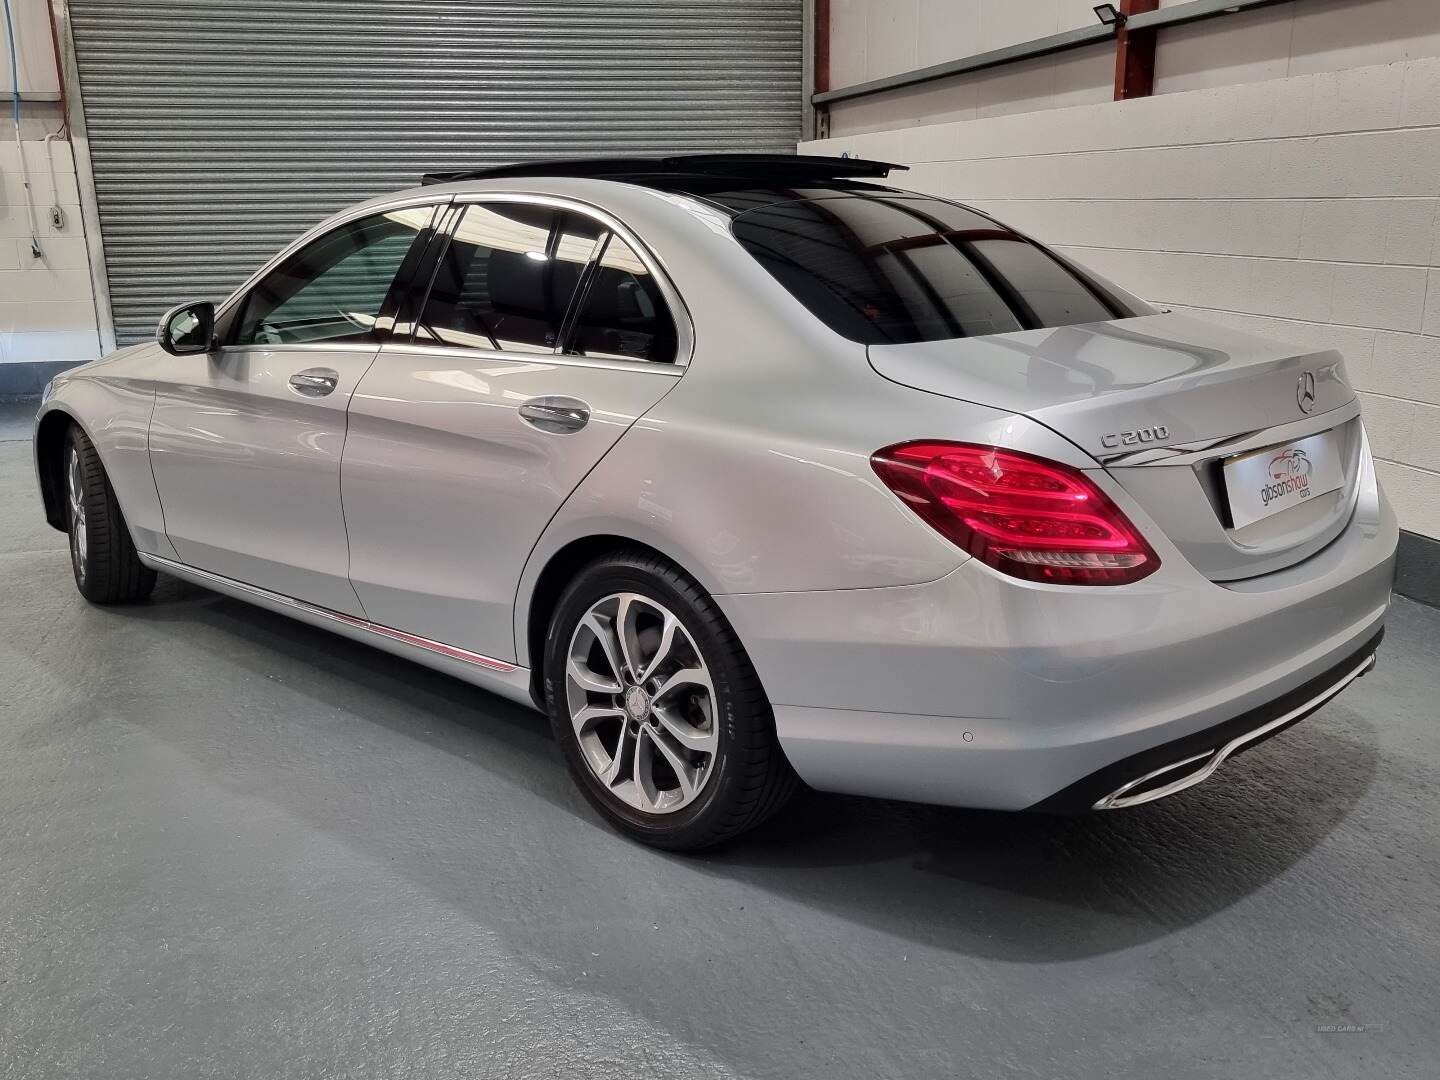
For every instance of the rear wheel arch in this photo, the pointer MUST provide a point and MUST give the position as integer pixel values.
(744, 776)
(560, 569)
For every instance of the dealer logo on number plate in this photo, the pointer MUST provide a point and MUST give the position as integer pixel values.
(1268, 482)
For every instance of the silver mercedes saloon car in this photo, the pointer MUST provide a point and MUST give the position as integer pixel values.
(752, 471)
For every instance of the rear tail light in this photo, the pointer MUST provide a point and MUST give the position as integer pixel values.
(1025, 516)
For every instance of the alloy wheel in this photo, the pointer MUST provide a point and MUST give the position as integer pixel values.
(75, 489)
(642, 702)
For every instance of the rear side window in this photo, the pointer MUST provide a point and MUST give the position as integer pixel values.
(623, 315)
(508, 278)
(890, 271)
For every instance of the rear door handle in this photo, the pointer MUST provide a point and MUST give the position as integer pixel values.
(315, 382)
(557, 415)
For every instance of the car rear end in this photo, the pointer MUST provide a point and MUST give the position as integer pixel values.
(1210, 565)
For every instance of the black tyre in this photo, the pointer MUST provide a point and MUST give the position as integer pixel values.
(658, 711)
(102, 554)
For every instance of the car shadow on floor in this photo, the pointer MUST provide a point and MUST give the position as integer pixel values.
(1017, 887)
(357, 677)
(1034, 887)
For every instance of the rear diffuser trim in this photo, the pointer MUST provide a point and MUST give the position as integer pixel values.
(1204, 751)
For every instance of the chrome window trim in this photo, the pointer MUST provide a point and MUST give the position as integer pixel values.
(684, 324)
(301, 347)
(466, 352)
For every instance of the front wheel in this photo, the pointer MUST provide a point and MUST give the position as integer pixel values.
(657, 708)
(102, 554)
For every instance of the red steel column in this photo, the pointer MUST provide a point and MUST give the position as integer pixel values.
(822, 46)
(1135, 55)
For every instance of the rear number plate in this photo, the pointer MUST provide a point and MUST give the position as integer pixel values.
(1268, 482)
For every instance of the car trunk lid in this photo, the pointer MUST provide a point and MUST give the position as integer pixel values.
(1163, 402)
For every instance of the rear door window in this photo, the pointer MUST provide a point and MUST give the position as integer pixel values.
(508, 278)
(889, 271)
(623, 315)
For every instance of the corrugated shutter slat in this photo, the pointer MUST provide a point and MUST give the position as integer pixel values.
(219, 129)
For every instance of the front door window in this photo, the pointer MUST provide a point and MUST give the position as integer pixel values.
(333, 289)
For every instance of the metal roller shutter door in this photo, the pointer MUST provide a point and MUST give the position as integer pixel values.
(220, 129)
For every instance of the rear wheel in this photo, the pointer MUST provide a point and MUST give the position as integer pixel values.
(657, 708)
(102, 554)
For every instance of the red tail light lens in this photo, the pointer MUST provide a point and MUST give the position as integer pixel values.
(1025, 516)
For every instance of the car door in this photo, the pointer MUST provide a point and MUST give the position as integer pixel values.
(245, 442)
(546, 333)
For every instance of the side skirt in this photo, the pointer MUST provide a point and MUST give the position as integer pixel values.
(498, 676)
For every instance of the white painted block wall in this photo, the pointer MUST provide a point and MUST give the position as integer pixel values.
(36, 58)
(1305, 208)
(47, 308)
(874, 38)
(870, 39)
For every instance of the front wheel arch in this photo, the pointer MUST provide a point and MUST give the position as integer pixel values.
(103, 557)
(50, 463)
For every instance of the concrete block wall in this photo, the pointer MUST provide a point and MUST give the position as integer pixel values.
(873, 38)
(870, 39)
(36, 56)
(1305, 208)
(1298, 38)
(47, 304)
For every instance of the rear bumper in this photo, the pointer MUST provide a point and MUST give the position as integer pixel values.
(978, 690)
(1172, 767)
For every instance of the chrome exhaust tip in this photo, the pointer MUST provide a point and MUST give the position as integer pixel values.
(1200, 767)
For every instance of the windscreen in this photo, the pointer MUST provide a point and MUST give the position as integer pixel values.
(891, 270)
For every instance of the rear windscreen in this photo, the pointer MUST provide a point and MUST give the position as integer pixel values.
(892, 270)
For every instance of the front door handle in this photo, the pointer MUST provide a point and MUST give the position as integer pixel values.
(315, 382)
(557, 415)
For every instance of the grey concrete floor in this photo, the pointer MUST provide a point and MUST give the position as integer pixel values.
(16, 418)
(234, 846)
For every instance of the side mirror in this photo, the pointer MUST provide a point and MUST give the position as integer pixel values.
(188, 329)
